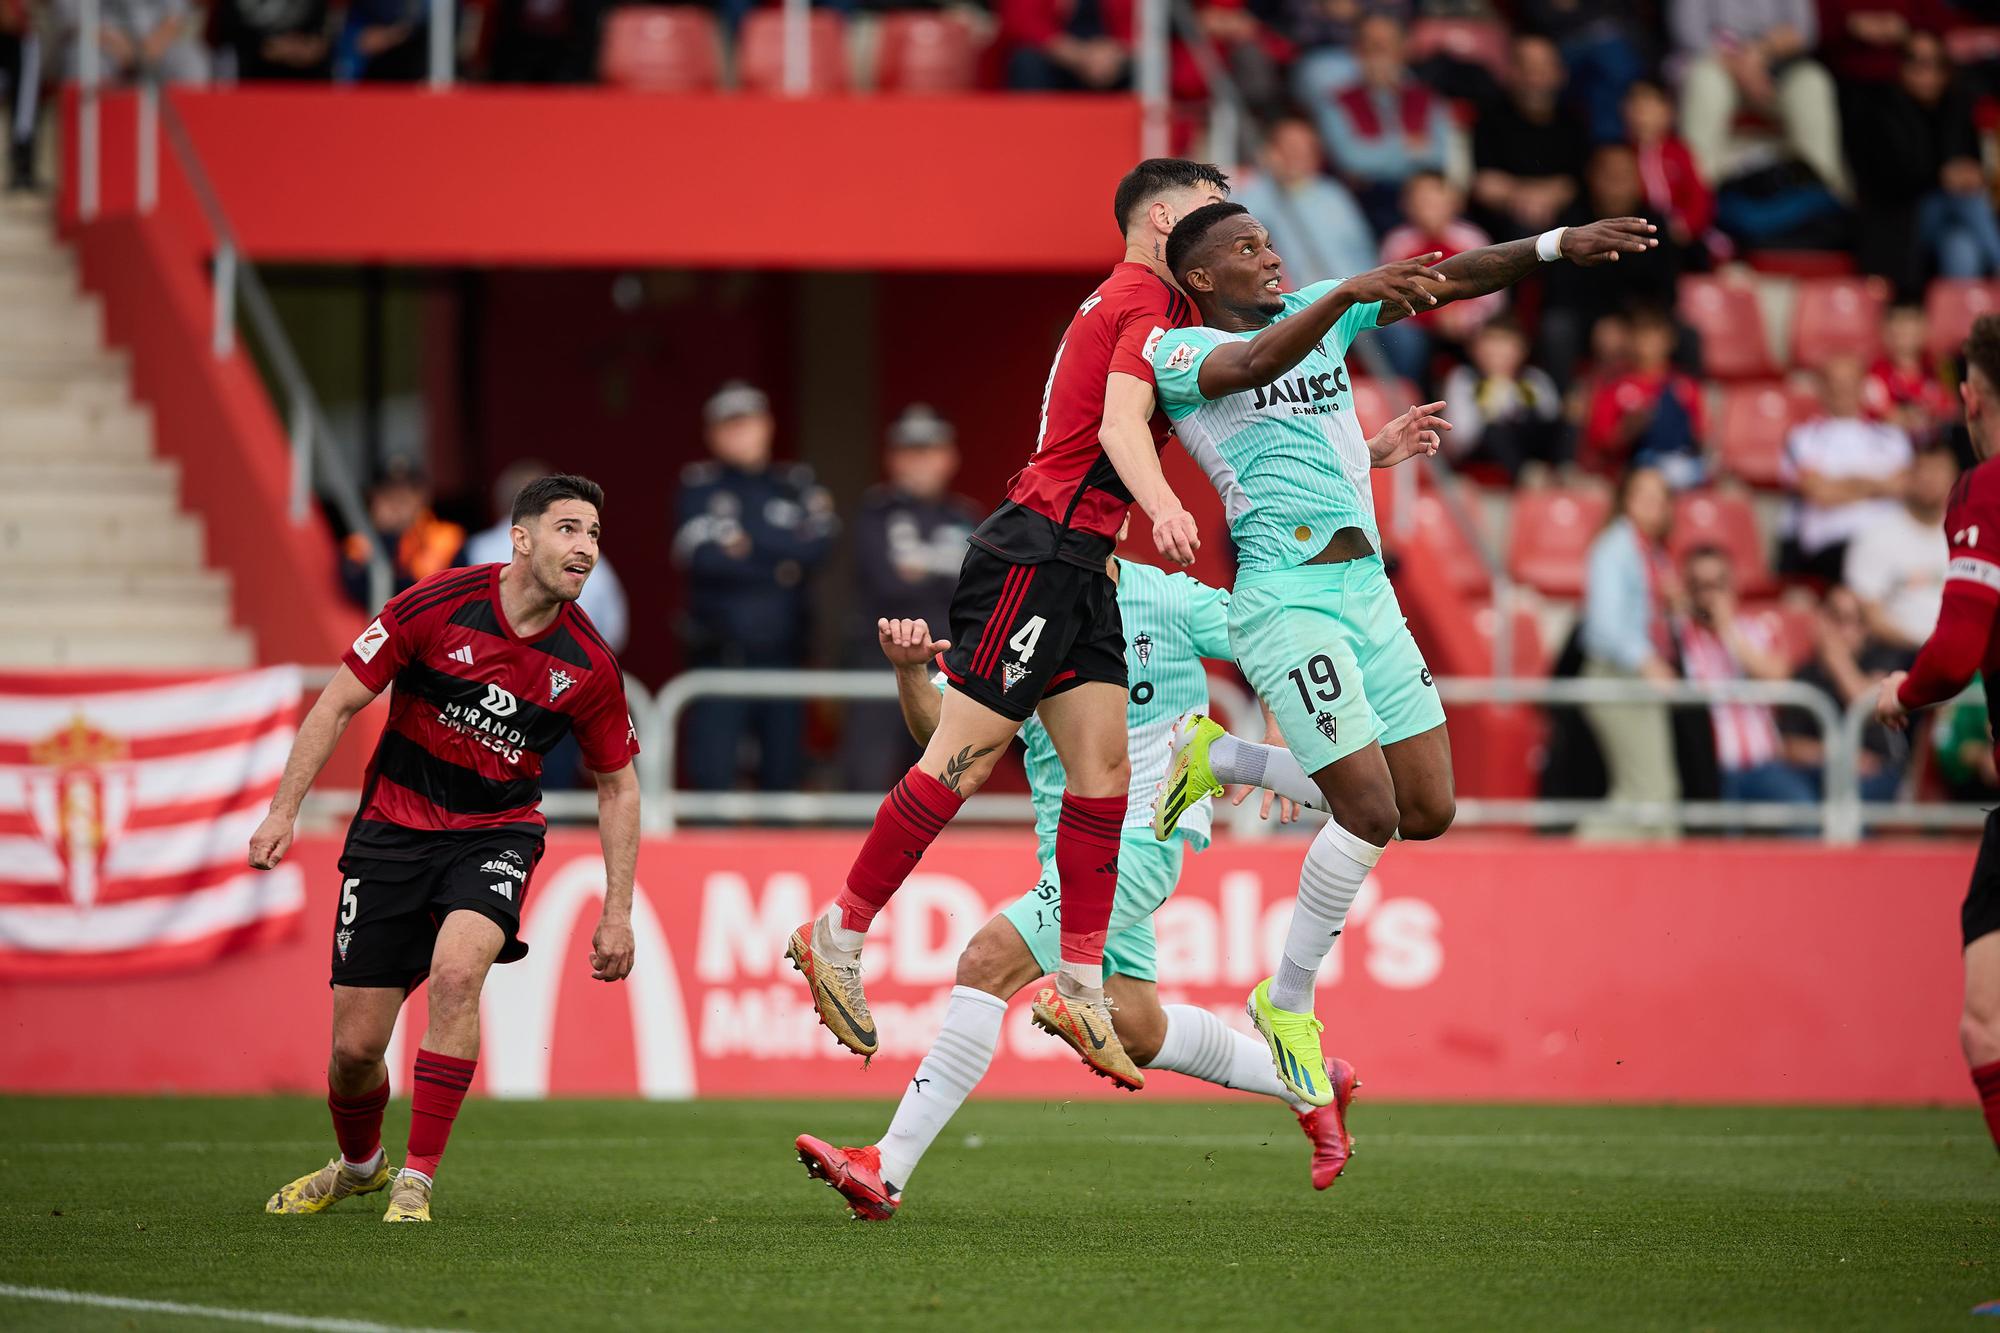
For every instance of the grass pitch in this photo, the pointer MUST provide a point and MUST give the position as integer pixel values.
(1102, 1214)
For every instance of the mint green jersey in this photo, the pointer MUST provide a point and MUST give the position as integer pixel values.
(1172, 622)
(1288, 459)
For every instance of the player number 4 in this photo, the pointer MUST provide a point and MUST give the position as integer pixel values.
(1026, 637)
(1326, 684)
(349, 904)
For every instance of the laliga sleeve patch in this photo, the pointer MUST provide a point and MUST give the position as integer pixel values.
(1182, 358)
(1153, 342)
(371, 641)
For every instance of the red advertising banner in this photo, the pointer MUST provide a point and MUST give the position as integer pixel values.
(1471, 968)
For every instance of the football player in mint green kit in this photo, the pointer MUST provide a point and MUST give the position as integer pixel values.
(1260, 398)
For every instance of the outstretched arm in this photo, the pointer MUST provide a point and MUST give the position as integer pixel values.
(343, 697)
(1493, 267)
(1404, 287)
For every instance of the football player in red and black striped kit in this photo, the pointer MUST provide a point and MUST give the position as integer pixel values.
(493, 666)
(1035, 629)
(1967, 641)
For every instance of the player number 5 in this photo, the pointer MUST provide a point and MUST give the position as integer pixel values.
(1320, 669)
(349, 904)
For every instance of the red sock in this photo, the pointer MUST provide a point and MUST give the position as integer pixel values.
(912, 815)
(1087, 861)
(440, 1087)
(357, 1122)
(1987, 1079)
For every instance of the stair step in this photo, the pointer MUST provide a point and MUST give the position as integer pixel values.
(37, 282)
(74, 431)
(143, 648)
(36, 326)
(126, 504)
(45, 587)
(96, 540)
(102, 614)
(76, 390)
(32, 363)
(87, 476)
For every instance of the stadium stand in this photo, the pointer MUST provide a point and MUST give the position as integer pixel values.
(1734, 344)
(661, 49)
(760, 53)
(1552, 532)
(1837, 316)
(919, 52)
(1753, 419)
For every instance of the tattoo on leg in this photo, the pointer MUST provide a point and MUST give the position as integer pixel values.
(956, 766)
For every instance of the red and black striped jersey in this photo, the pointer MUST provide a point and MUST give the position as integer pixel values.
(476, 706)
(1068, 502)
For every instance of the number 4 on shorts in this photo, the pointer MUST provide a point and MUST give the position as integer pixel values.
(1026, 637)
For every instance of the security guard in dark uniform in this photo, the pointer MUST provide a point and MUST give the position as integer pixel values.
(750, 534)
(909, 540)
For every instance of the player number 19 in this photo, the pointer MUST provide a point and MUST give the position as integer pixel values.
(1326, 683)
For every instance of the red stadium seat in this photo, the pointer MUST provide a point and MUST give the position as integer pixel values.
(1444, 540)
(1716, 518)
(919, 52)
(760, 52)
(1378, 402)
(1950, 307)
(1794, 629)
(1838, 317)
(1470, 41)
(1731, 325)
(1755, 419)
(1552, 533)
(1527, 655)
(661, 49)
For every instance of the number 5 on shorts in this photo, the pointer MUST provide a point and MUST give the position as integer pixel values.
(349, 903)
(1326, 684)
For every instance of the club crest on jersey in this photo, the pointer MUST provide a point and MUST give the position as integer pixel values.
(558, 682)
(1142, 647)
(341, 939)
(1329, 727)
(1013, 673)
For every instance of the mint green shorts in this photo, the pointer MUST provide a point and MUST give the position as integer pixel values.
(1147, 873)
(1327, 649)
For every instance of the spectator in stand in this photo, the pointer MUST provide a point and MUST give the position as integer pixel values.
(1896, 564)
(1610, 357)
(276, 39)
(1527, 155)
(1071, 46)
(603, 597)
(1256, 55)
(161, 36)
(1503, 410)
(1861, 41)
(1576, 299)
(1602, 48)
(1432, 206)
(750, 534)
(1628, 586)
(1651, 416)
(1719, 643)
(384, 41)
(1847, 473)
(546, 41)
(419, 543)
(909, 541)
(1924, 203)
(1385, 128)
(1672, 191)
(1847, 665)
(21, 85)
(1903, 388)
(1325, 32)
(1754, 54)
(1315, 223)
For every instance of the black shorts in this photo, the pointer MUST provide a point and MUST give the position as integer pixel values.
(1981, 913)
(397, 886)
(1020, 633)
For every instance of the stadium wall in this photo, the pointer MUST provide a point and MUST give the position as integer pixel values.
(1472, 969)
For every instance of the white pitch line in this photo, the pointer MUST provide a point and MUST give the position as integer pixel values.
(268, 1318)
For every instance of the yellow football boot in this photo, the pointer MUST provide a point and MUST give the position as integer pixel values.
(836, 991)
(410, 1199)
(325, 1188)
(1087, 1028)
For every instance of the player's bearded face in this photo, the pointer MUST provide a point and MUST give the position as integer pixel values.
(562, 548)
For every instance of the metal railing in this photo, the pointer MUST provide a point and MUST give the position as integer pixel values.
(1841, 818)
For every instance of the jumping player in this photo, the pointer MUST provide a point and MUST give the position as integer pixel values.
(1035, 629)
(1261, 400)
(493, 665)
(1963, 643)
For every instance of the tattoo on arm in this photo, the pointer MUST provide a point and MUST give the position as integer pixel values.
(1488, 269)
(956, 766)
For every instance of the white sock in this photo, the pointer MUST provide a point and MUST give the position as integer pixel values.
(1202, 1046)
(367, 1168)
(835, 938)
(1336, 863)
(1080, 981)
(1237, 762)
(951, 1069)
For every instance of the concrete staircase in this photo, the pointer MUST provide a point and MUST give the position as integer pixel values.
(99, 567)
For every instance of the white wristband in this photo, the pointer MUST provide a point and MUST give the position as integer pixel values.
(1549, 245)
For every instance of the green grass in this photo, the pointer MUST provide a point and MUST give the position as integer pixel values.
(1157, 1214)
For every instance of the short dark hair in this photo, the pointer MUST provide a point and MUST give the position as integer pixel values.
(536, 497)
(1982, 349)
(1192, 230)
(1154, 177)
